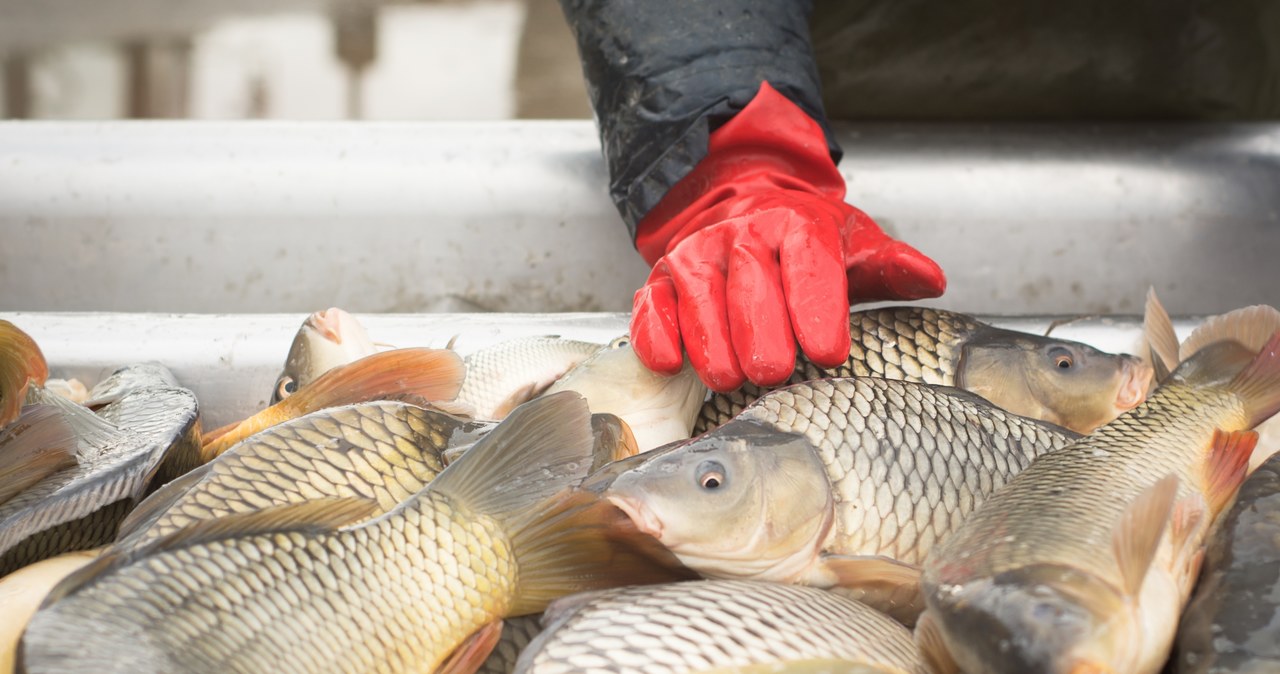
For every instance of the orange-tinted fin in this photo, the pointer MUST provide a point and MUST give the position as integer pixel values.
(434, 374)
(1137, 535)
(1227, 466)
(885, 584)
(38, 444)
(1251, 327)
(933, 650)
(1258, 384)
(1090, 667)
(1161, 339)
(471, 653)
(21, 362)
(613, 440)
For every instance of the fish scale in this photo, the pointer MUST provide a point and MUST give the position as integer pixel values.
(375, 589)
(383, 451)
(710, 625)
(1164, 436)
(905, 343)
(898, 498)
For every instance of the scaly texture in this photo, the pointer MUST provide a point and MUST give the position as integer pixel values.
(394, 595)
(706, 625)
(516, 635)
(506, 374)
(905, 343)
(907, 463)
(381, 451)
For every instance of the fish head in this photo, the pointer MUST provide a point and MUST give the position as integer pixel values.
(326, 340)
(1067, 383)
(743, 502)
(657, 408)
(1039, 618)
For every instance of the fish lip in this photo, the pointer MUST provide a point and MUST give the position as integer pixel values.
(328, 323)
(643, 518)
(1137, 379)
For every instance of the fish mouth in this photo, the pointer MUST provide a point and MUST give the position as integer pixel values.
(1136, 379)
(643, 518)
(328, 323)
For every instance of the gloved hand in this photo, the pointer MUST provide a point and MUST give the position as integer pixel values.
(755, 250)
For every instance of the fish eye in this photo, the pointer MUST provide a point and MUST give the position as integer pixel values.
(286, 387)
(619, 342)
(1062, 358)
(711, 475)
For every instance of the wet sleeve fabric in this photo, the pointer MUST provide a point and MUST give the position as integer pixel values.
(663, 74)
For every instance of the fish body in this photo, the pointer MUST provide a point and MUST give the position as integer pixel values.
(421, 374)
(716, 626)
(657, 408)
(321, 587)
(81, 505)
(829, 481)
(384, 451)
(1083, 562)
(327, 339)
(22, 591)
(1060, 381)
(21, 363)
(504, 375)
(1229, 626)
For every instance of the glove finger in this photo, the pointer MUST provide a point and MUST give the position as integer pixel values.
(894, 271)
(813, 278)
(655, 331)
(758, 322)
(704, 327)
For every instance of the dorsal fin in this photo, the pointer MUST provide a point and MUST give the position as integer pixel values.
(1161, 339)
(159, 502)
(1250, 326)
(313, 516)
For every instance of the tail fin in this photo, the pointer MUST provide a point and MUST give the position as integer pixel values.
(20, 362)
(564, 541)
(1251, 327)
(39, 443)
(434, 374)
(1258, 384)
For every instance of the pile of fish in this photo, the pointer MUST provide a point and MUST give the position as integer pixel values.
(954, 498)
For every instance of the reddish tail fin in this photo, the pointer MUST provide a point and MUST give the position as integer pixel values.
(1227, 467)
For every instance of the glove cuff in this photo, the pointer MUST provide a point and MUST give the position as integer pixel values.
(771, 144)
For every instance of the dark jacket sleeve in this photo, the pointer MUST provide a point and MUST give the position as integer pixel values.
(663, 74)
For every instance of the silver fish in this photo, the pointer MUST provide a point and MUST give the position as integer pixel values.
(326, 340)
(504, 375)
(81, 505)
(830, 482)
(717, 625)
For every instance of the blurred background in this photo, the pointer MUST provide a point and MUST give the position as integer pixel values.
(288, 59)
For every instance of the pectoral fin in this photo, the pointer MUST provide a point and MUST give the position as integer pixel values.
(886, 584)
(471, 653)
(1137, 536)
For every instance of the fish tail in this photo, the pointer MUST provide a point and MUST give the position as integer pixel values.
(21, 362)
(432, 374)
(564, 541)
(578, 542)
(1251, 327)
(1258, 384)
(39, 443)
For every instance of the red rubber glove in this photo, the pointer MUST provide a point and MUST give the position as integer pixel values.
(756, 249)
